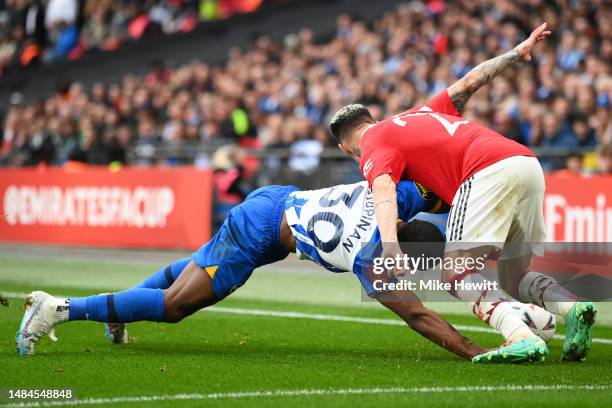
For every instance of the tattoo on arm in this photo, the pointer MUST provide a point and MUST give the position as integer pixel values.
(482, 74)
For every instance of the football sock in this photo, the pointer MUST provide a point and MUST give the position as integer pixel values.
(545, 292)
(122, 307)
(490, 305)
(165, 277)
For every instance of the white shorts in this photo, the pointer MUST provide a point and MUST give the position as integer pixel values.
(501, 205)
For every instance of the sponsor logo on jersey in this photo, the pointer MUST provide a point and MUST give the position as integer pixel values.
(367, 167)
(423, 191)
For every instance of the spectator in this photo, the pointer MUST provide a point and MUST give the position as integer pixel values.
(585, 135)
(61, 11)
(229, 180)
(573, 166)
(64, 37)
(58, 29)
(96, 31)
(556, 132)
(280, 94)
(604, 159)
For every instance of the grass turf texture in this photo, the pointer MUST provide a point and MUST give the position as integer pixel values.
(232, 353)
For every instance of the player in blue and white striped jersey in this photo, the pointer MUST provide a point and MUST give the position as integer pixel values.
(336, 227)
(328, 226)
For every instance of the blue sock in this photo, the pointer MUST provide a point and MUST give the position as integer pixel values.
(165, 277)
(131, 305)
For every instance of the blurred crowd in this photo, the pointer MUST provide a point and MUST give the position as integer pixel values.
(282, 93)
(41, 31)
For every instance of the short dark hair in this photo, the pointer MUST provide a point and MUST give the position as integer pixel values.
(427, 238)
(419, 231)
(348, 118)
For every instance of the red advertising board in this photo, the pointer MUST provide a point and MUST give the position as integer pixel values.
(171, 207)
(131, 207)
(578, 209)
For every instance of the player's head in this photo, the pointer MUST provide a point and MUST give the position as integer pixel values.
(347, 126)
(418, 231)
(428, 236)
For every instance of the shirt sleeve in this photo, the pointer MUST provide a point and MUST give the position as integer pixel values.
(383, 161)
(442, 103)
(413, 198)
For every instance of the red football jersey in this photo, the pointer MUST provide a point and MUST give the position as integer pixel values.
(433, 146)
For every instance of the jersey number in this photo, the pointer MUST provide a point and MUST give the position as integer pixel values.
(349, 200)
(451, 128)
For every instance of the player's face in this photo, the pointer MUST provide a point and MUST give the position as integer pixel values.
(350, 146)
(354, 152)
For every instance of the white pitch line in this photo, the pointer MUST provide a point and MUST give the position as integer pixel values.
(336, 318)
(354, 319)
(307, 392)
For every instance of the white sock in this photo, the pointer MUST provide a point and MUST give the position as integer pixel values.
(544, 291)
(492, 307)
(62, 310)
(510, 325)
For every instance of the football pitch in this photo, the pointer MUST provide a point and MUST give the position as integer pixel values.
(288, 338)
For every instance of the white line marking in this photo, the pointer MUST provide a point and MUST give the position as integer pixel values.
(309, 392)
(354, 319)
(336, 318)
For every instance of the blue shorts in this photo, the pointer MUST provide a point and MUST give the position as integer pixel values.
(248, 239)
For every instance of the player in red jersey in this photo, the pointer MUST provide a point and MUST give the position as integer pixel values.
(496, 187)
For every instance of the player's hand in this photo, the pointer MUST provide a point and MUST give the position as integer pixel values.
(536, 36)
(393, 250)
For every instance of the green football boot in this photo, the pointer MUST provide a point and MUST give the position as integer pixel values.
(520, 351)
(578, 331)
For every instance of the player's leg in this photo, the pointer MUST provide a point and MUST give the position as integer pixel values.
(531, 286)
(477, 227)
(190, 292)
(218, 268)
(489, 302)
(117, 333)
(165, 277)
(534, 287)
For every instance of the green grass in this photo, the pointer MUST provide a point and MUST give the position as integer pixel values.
(233, 353)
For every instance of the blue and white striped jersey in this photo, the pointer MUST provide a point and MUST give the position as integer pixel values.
(332, 225)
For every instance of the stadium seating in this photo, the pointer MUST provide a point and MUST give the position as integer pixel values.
(279, 94)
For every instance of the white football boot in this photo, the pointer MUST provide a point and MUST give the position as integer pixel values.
(42, 313)
(117, 333)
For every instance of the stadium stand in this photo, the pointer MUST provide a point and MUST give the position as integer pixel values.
(279, 94)
(41, 31)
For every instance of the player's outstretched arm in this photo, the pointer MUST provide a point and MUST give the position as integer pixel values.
(482, 74)
(429, 324)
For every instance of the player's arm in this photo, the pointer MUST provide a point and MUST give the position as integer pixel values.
(429, 324)
(384, 193)
(482, 74)
(383, 169)
(385, 209)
